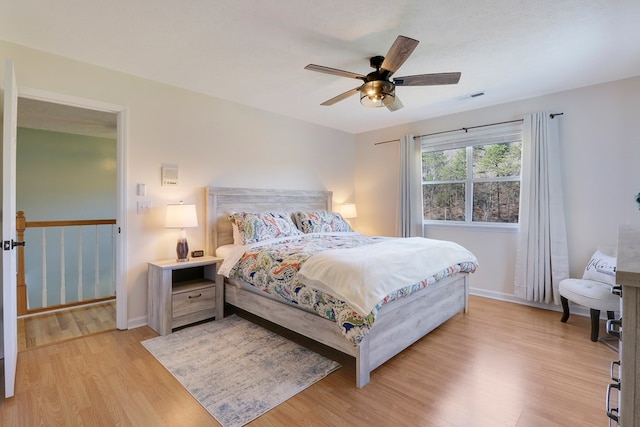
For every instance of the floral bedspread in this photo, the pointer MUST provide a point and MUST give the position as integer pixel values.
(273, 269)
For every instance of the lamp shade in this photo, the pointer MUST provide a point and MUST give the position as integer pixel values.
(348, 210)
(181, 216)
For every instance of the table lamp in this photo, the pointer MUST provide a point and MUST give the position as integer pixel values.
(181, 216)
(348, 210)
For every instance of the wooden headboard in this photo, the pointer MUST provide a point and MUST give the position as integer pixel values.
(221, 201)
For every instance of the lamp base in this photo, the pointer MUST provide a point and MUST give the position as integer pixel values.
(182, 250)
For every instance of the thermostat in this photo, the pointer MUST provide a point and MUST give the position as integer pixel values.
(169, 175)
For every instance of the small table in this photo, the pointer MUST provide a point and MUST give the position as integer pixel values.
(182, 293)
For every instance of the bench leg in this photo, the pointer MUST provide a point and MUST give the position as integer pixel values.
(565, 309)
(595, 324)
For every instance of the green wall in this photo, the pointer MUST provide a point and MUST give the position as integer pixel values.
(64, 176)
(61, 176)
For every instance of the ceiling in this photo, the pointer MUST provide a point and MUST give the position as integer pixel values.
(53, 117)
(254, 52)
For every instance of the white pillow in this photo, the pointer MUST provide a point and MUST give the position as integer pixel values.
(601, 268)
(237, 238)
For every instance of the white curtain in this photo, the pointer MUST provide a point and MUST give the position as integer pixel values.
(410, 214)
(542, 257)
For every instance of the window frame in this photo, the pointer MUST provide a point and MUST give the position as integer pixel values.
(501, 133)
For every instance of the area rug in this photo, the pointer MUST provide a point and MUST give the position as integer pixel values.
(236, 369)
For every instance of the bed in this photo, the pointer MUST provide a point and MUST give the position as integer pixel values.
(399, 322)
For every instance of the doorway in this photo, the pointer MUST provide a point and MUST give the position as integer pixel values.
(48, 112)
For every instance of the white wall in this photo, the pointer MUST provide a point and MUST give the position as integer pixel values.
(212, 141)
(601, 152)
(220, 143)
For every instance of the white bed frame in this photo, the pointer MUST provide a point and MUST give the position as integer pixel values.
(399, 323)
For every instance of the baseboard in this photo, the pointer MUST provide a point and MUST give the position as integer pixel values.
(574, 308)
(137, 322)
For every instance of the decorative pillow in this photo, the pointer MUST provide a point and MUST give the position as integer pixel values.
(255, 227)
(601, 268)
(321, 222)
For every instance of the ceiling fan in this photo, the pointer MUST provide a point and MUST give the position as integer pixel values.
(378, 90)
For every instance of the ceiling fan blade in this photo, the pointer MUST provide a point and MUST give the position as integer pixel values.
(334, 71)
(428, 79)
(341, 96)
(398, 53)
(395, 105)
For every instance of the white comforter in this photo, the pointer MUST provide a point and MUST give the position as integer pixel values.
(363, 276)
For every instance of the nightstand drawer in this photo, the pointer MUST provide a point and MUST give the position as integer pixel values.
(192, 301)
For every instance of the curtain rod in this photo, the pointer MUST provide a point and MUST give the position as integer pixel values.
(552, 115)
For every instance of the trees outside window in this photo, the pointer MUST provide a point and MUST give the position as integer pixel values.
(477, 183)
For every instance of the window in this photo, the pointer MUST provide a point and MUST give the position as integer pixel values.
(473, 177)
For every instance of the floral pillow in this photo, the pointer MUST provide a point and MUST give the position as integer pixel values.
(321, 222)
(255, 227)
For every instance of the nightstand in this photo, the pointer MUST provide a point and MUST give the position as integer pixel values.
(181, 293)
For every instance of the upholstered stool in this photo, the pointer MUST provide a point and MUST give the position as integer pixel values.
(589, 293)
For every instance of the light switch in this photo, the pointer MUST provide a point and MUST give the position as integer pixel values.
(144, 207)
(142, 190)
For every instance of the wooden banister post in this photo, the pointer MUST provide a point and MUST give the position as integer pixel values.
(21, 224)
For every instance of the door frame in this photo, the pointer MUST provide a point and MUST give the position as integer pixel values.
(122, 320)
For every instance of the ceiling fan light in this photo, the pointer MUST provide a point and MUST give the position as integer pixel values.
(377, 93)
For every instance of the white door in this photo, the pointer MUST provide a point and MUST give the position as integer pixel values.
(9, 282)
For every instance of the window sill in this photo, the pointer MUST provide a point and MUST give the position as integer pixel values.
(482, 227)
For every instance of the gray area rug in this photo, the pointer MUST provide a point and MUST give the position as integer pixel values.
(236, 369)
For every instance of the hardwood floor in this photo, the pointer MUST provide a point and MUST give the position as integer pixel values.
(501, 364)
(48, 328)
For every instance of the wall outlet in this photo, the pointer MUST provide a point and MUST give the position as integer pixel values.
(144, 207)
